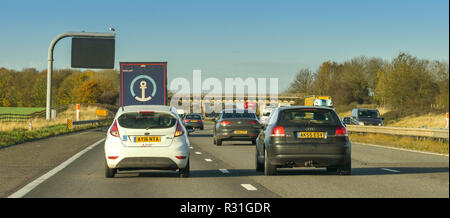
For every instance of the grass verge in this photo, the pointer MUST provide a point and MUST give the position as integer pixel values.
(411, 143)
(21, 135)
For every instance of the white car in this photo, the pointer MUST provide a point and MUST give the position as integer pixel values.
(266, 114)
(147, 137)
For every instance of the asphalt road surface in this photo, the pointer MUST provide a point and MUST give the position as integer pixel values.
(221, 171)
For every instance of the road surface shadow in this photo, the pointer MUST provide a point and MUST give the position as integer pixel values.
(193, 135)
(287, 172)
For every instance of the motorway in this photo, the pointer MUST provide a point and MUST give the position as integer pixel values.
(226, 171)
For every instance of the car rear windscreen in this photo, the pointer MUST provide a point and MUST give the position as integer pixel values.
(154, 120)
(308, 117)
(194, 117)
(369, 114)
(236, 114)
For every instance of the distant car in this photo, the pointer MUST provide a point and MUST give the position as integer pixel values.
(366, 117)
(347, 120)
(236, 125)
(194, 121)
(147, 137)
(266, 114)
(304, 136)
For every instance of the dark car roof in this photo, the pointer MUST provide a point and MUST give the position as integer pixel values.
(304, 107)
(234, 109)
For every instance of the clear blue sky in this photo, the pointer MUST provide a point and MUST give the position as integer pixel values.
(229, 38)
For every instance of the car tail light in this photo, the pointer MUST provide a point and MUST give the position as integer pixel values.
(278, 131)
(341, 131)
(112, 157)
(225, 123)
(180, 157)
(146, 112)
(200, 121)
(114, 130)
(179, 131)
(253, 122)
(186, 120)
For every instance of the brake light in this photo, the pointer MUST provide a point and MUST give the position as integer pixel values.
(253, 122)
(200, 121)
(278, 131)
(146, 112)
(341, 131)
(114, 130)
(179, 131)
(225, 123)
(186, 120)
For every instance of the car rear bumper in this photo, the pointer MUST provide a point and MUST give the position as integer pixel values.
(164, 157)
(319, 155)
(230, 135)
(195, 125)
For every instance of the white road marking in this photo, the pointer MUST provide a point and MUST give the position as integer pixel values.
(191, 147)
(208, 160)
(224, 171)
(390, 170)
(249, 187)
(30, 186)
(198, 152)
(401, 149)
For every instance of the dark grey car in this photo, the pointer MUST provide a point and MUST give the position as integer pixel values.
(236, 125)
(194, 121)
(366, 117)
(304, 137)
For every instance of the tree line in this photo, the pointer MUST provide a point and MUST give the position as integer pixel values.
(403, 83)
(28, 88)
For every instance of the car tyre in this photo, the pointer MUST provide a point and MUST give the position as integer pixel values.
(269, 169)
(346, 169)
(254, 142)
(214, 140)
(184, 172)
(259, 166)
(332, 169)
(109, 172)
(219, 142)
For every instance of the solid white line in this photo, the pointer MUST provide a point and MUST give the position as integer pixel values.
(401, 149)
(224, 171)
(198, 152)
(208, 160)
(191, 147)
(249, 187)
(390, 170)
(30, 186)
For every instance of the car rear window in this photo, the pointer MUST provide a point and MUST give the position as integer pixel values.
(235, 114)
(308, 117)
(154, 120)
(195, 117)
(369, 114)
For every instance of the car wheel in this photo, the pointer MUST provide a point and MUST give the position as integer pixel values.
(184, 172)
(346, 169)
(332, 169)
(214, 140)
(259, 166)
(254, 142)
(202, 128)
(109, 172)
(269, 169)
(219, 142)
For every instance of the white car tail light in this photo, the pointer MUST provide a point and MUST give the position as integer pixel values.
(114, 130)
